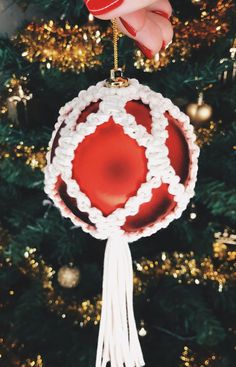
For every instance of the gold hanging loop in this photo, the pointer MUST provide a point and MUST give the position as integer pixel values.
(117, 80)
(115, 43)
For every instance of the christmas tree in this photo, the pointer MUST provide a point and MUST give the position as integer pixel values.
(50, 270)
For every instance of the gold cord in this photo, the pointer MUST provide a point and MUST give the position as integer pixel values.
(115, 43)
(116, 80)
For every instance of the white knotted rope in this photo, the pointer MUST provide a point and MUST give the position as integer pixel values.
(118, 341)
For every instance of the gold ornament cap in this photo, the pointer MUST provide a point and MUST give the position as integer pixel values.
(117, 80)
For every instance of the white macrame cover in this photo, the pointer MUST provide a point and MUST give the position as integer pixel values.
(118, 340)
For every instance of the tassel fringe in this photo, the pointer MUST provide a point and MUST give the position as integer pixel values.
(118, 341)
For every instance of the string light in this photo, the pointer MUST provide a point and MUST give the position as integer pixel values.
(142, 330)
(68, 276)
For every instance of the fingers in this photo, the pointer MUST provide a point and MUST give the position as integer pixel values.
(107, 9)
(149, 38)
(132, 23)
(165, 27)
(146, 21)
(151, 31)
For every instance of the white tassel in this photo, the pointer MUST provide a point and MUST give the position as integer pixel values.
(118, 338)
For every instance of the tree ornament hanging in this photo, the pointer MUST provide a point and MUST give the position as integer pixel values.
(68, 276)
(122, 165)
(229, 74)
(18, 100)
(199, 112)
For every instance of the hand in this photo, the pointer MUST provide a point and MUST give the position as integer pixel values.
(146, 21)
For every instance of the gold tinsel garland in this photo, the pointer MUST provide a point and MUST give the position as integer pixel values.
(205, 134)
(190, 359)
(190, 34)
(65, 47)
(28, 154)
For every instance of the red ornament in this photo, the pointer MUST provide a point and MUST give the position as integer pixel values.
(109, 166)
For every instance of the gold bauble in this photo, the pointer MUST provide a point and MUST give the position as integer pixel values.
(68, 276)
(200, 113)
